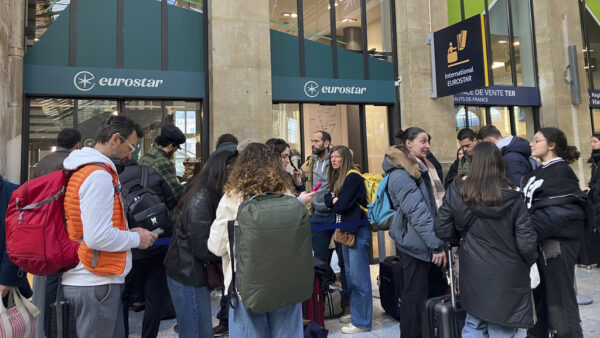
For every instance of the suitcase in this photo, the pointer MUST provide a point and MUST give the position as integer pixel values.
(62, 316)
(391, 281)
(313, 308)
(444, 317)
(332, 303)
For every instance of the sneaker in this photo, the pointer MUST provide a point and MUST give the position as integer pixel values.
(220, 330)
(346, 319)
(353, 329)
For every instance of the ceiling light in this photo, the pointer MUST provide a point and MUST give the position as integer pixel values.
(286, 14)
(36, 39)
(294, 15)
(516, 43)
(115, 113)
(349, 20)
(501, 41)
(496, 65)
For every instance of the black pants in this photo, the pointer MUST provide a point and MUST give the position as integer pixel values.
(422, 280)
(555, 298)
(152, 272)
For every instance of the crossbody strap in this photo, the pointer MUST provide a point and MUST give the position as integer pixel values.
(231, 289)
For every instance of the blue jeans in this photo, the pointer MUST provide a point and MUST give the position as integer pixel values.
(192, 306)
(286, 322)
(358, 275)
(475, 328)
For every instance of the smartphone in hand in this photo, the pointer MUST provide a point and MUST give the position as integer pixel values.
(317, 186)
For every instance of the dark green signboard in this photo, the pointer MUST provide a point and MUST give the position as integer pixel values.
(109, 82)
(460, 57)
(297, 89)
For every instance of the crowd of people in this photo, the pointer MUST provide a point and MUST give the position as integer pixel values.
(507, 204)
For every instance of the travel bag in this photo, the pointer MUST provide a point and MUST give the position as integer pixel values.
(313, 308)
(444, 317)
(61, 317)
(391, 281)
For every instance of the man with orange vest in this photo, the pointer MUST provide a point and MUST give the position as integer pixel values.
(94, 217)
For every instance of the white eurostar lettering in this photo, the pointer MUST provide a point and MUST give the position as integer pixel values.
(353, 90)
(129, 82)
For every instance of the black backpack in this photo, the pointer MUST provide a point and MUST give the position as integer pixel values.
(144, 207)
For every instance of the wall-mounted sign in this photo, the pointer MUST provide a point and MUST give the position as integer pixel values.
(108, 82)
(296, 89)
(499, 96)
(459, 57)
(594, 98)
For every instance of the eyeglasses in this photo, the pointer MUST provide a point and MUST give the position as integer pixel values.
(131, 146)
(538, 141)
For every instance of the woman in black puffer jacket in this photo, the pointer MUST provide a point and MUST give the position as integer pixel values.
(558, 214)
(594, 184)
(188, 252)
(497, 250)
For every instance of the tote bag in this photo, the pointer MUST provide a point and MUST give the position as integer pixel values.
(18, 319)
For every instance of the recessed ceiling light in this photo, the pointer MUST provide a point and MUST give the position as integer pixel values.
(349, 20)
(286, 14)
(501, 41)
(497, 65)
(294, 15)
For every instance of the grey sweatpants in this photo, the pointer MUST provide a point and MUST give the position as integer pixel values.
(98, 310)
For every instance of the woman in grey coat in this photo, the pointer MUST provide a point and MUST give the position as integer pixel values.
(414, 189)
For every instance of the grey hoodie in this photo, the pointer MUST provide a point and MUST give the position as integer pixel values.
(320, 169)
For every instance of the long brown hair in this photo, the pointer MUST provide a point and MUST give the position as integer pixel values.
(487, 176)
(336, 178)
(256, 171)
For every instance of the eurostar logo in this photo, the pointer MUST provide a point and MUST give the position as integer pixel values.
(311, 89)
(84, 81)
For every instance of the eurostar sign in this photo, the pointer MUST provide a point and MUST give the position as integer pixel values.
(79, 81)
(294, 89)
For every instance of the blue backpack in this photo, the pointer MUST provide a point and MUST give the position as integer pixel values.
(380, 212)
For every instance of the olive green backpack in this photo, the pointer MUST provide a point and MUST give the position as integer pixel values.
(270, 245)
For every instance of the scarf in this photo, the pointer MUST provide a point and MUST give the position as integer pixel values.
(436, 183)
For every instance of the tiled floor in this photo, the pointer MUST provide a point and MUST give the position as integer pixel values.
(588, 282)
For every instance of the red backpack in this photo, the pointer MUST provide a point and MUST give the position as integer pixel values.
(36, 235)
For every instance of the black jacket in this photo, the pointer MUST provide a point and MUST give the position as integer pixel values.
(130, 179)
(497, 250)
(351, 195)
(188, 251)
(594, 183)
(452, 172)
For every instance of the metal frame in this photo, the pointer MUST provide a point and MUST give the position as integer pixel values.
(120, 33)
(164, 36)
(73, 33)
(332, 29)
(300, 9)
(205, 136)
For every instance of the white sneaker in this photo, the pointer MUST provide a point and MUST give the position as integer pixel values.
(346, 319)
(353, 329)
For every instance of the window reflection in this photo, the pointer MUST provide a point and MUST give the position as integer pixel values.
(524, 122)
(194, 5)
(500, 43)
(286, 124)
(379, 31)
(187, 116)
(501, 119)
(317, 25)
(44, 14)
(283, 16)
(593, 33)
(523, 43)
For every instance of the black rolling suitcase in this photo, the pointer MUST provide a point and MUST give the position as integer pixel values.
(391, 282)
(589, 254)
(444, 317)
(61, 316)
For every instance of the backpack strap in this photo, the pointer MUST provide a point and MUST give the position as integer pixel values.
(144, 180)
(231, 289)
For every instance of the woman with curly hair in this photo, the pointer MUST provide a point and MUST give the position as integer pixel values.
(255, 172)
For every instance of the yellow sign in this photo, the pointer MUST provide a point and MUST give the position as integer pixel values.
(461, 43)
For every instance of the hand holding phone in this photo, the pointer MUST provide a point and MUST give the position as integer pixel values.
(317, 186)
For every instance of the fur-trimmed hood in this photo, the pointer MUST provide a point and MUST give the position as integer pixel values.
(396, 158)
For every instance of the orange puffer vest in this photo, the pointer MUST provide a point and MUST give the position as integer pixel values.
(102, 263)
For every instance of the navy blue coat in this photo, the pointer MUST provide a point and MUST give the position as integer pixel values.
(347, 207)
(10, 274)
(516, 159)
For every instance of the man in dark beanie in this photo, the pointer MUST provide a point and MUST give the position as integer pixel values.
(165, 145)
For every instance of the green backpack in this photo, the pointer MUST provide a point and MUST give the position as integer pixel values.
(274, 266)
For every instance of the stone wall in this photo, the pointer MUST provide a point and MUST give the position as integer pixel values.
(240, 70)
(11, 80)
(558, 25)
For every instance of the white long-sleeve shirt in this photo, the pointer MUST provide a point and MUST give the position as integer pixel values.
(96, 197)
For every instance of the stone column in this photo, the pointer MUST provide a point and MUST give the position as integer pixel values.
(414, 62)
(240, 69)
(12, 28)
(558, 25)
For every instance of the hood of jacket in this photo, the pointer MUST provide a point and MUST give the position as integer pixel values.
(86, 155)
(396, 158)
(517, 145)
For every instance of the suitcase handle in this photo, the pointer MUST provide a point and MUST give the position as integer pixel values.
(452, 287)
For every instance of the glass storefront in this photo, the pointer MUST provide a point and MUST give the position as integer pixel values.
(500, 43)
(510, 120)
(47, 116)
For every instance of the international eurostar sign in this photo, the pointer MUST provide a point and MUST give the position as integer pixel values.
(293, 89)
(459, 57)
(108, 82)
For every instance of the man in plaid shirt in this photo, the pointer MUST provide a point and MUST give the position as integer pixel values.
(159, 156)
